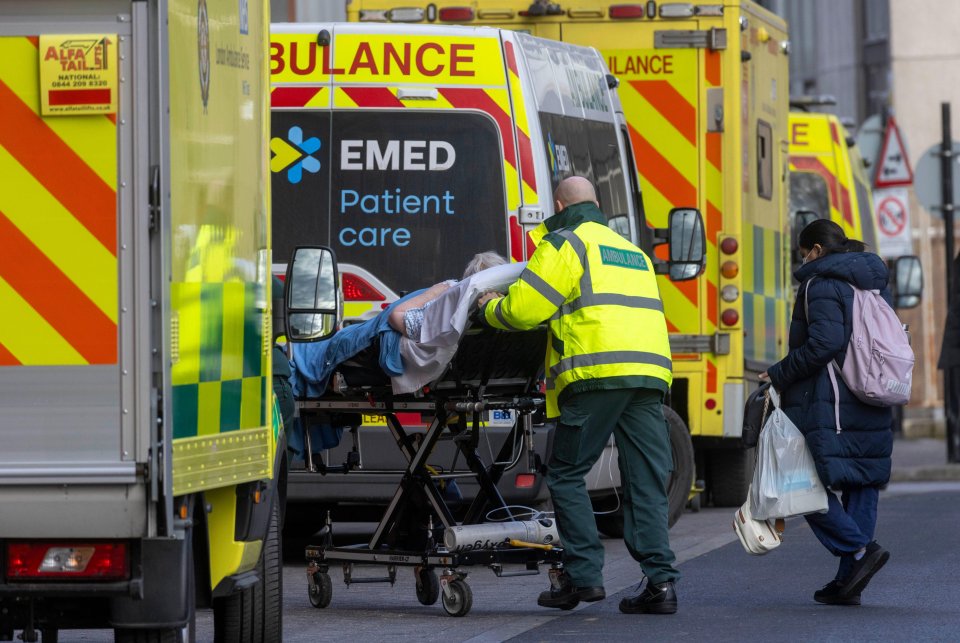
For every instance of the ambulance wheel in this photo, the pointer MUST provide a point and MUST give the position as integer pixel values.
(460, 600)
(428, 587)
(681, 480)
(729, 472)
(321, 591)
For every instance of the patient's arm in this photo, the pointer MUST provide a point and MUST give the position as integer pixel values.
(396, 315)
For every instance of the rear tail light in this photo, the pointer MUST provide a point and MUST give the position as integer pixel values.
(729, 246)
(357, 288)
(456, 14)
(730, 317)
(729, 269)
(59, 560)
(729, 294)
(626, 11)
(525, 480)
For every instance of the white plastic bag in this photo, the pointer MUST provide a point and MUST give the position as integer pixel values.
(785, 482)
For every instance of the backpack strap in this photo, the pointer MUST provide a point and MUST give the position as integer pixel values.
(831, 367)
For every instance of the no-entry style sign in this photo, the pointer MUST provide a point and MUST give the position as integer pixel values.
(893, 222)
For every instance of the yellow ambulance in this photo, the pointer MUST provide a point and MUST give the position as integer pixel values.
(705, 96)
(828, 178)
(408, 149)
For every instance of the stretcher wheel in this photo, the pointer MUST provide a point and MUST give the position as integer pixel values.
(428, 587)
(460, 600)
(321, 591)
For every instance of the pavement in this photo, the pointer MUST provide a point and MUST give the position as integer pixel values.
(922, 460)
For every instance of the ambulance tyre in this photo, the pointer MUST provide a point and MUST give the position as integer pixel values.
(681, 480)
(460, 600)
(729, 473)
(321, 591)
(428, 587)
(678, 485)
(268, 593)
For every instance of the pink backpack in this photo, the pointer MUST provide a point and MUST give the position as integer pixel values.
(878, 368)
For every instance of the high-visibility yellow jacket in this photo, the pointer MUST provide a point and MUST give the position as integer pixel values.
(599, 295)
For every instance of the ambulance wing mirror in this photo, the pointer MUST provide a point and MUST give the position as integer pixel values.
(907, 281)
(688, 244)
(312, 294)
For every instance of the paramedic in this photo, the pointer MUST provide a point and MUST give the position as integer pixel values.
(856, 460)
(604, 375)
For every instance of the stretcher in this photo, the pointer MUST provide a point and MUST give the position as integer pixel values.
(491, 370)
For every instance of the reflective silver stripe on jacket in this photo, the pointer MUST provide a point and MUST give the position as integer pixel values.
(587, 296)
(500, 317)
(610, 357)
(612, 299)
(536, 282)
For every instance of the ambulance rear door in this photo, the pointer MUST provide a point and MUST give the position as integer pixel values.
(577, 127)
(660, 89)
(413, 156)
(76, 420)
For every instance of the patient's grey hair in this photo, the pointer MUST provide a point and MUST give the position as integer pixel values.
(482, 261)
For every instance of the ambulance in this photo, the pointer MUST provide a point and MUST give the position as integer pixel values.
(141, 462)
(828, 179)
(408, 149)
(704, 89)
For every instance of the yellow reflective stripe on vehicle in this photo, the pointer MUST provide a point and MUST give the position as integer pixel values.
(63, 239)
(75, 131)
(43, 345)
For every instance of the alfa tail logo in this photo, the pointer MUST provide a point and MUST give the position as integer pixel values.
(294, 154)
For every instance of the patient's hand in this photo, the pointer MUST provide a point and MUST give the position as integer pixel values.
(487, 297)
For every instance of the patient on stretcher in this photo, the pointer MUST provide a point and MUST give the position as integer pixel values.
(417, 334)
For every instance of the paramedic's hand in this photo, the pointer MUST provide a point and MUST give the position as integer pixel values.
(764, 377)
(487, 297)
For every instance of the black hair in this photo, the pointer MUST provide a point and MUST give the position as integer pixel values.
(829, 236)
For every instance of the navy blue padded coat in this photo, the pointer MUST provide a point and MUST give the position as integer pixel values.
(860, 454)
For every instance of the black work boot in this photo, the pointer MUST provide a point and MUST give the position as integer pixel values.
(568, 595)
(659, 598)
(829, 594)
(863, 570)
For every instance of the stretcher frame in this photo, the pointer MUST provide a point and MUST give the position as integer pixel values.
(457, 400)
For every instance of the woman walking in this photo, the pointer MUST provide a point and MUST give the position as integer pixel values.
(854, 458)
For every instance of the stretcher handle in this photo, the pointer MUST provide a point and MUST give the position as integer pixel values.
(520, 404)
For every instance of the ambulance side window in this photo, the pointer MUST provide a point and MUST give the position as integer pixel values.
(764, 160)
(866, 216)
(808, 192)
(589, 148)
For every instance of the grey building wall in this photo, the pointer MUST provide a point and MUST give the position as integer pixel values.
(840, 48)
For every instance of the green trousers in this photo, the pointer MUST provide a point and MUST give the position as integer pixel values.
(635, 417)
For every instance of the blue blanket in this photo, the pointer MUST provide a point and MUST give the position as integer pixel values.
(314, 362)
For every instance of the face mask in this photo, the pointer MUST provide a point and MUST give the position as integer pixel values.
(806, 257)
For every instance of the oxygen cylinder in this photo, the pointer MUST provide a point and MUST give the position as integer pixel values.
(494, 535)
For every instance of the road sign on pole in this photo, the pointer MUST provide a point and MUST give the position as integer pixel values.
(893, 165)
(893, 222)
(928, 184)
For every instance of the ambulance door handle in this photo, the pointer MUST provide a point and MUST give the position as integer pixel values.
(715, 109)
(531, 216)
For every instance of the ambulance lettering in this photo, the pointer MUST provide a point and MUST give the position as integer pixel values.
(392, 155)
(799, 134)
(651, 65)
(375, 59)
(440, 155)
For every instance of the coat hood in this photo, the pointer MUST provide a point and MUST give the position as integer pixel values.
(865, 270)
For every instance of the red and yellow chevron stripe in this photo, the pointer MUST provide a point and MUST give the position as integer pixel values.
(58, 225)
